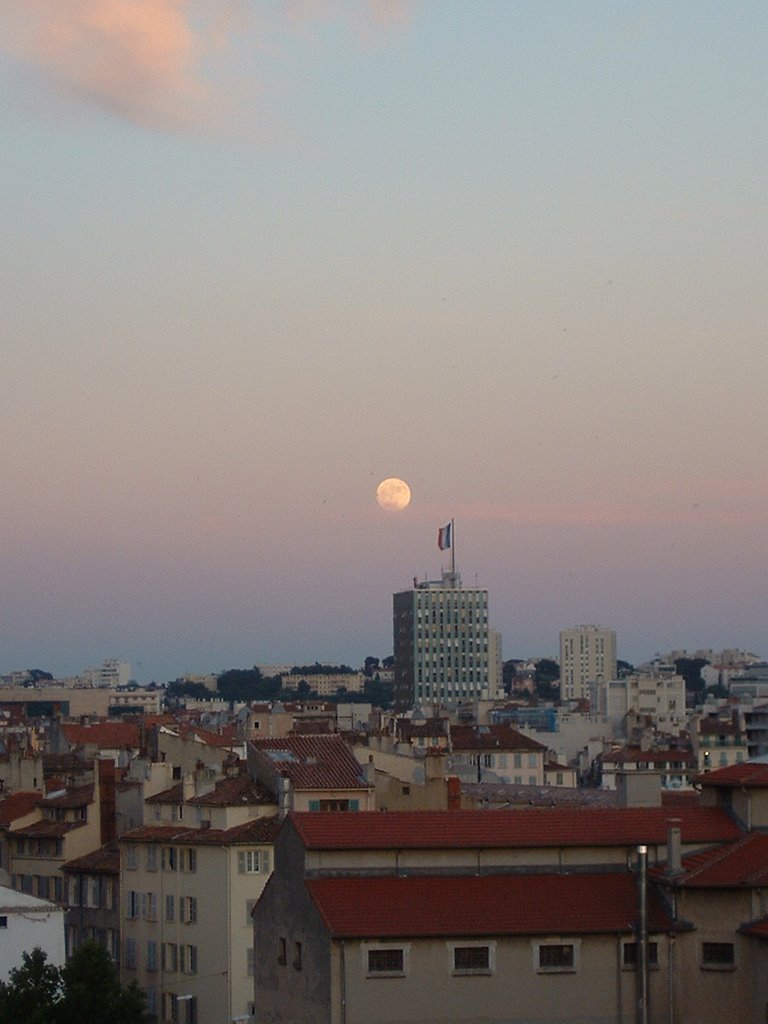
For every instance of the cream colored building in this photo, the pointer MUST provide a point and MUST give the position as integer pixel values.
(587, 655)
(187, 934)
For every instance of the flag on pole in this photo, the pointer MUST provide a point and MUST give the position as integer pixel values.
(444, 537)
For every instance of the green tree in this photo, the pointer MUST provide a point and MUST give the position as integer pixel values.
(690, 670)
(93, 993)
(32, 991)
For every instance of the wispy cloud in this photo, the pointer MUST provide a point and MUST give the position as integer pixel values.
(154, 62)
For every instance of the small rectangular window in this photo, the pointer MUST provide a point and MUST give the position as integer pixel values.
(282, 952)
(472, 959)
(556, 957)
(717, 954)
(297, 956)
(386, 961)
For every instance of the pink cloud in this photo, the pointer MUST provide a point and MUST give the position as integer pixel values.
(145, 60)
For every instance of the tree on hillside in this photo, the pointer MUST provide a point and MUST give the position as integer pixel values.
(690, 670)
(547, 678)
(246, 684)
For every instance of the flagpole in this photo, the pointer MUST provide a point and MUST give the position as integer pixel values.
(453, 553)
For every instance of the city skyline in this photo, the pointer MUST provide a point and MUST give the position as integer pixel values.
(257, 263)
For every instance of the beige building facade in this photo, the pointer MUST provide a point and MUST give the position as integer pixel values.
(587, 656)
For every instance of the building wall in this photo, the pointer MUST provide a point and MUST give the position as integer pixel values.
(221, 935)
(587, 655)
(516, 991)
(28, 922)
(441, 640)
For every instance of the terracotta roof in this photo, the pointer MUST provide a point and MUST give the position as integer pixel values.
(717, 727)
(258, 830)
(47, 829)
(744, 863)
(18, 805)
(312, 762)
(532, 827)
(233, 793)
(746, 774)
(105, 861)
(174, 795)
(491, 737)
(226, 740)
(757, 929)
(665, 755)
(105, 735)
(529, 904)
(80, 796)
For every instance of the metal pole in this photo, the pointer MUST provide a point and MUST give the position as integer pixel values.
(642, 936)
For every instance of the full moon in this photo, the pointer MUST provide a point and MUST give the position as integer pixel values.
(393, 494)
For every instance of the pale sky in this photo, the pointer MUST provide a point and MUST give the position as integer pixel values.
(259, 255)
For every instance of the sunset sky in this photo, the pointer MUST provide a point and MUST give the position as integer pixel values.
(258, 256)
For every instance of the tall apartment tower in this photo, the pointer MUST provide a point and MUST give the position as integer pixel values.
(443, 651)
(587, 656)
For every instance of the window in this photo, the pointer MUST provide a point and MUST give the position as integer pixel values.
(297, 956)
(151, 955)
(556, 956)
(170, 912)
(170, 858)
(191, 862)
(131, 858)
(132, 904)
(630, 955)
(188, 909)
(4, 921)
(151, 906)
(386, 961)
(718, 955)
(151, 858)
(248, 862)
(282, 952)
(472, 959)
(188, 959)
(130, 953)
(170, 957)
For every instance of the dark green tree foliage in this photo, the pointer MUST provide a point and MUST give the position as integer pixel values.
(546, 679)
(246, 684)
(31, 992)
(321, 670)
(93, 993)
(37, 675)
(180, 688)
(690, 670)
(85, 991)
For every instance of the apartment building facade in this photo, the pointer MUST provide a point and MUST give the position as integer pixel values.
(587, 656)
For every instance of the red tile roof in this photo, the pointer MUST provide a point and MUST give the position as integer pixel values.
(105, 861)
(47, 829)
(758, 929)
(104, 735)
(530, 904)
(18, 805)
(258, 830)
(748, 774)
(79, 796)
(491, 737)
(312, 762)
(744, 863)
(659, 755)
(529, 827)
(233, 793)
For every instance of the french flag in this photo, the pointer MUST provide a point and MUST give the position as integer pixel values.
(444, 537)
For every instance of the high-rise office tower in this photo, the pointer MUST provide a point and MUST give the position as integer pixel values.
(587, 655)
(443, 652)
